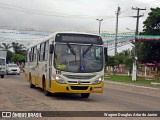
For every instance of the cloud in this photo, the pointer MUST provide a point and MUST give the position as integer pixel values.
(72, 15)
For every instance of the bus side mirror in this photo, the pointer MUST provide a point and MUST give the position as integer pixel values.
(106, 54)
(51, 48)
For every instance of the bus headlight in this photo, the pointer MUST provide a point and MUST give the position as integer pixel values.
(60, 80)
(98, 80)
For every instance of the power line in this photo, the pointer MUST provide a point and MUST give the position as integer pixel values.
(55, 14)
(44, 13)
(149, 4)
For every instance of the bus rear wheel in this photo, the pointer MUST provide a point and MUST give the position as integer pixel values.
(85, 95)
(30, 82)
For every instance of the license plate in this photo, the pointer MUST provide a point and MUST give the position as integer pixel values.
(14, 72)
(97, 89)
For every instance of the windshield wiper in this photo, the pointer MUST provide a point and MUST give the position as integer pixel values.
(71, 49)
(87, 49)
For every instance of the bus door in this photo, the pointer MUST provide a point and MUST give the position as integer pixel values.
(51, 49)
(37, 69)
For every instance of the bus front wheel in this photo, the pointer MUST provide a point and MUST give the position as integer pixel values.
(85, 95)
(46, 93)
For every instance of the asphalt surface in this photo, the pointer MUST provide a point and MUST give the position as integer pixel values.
(15, 95)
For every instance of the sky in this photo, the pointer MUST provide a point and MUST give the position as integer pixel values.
(73, 15)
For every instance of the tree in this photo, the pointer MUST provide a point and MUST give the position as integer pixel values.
(148, 51)
(7, 47)
(19, 48)
(125, 57)
(112, 61)
(152, 23)
(9, 56)
(18, 58)
(128, 64)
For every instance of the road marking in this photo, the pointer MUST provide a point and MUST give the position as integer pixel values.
(133, 85)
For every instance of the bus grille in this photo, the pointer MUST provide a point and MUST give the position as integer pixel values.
(79, 77)
(79, 87)
(76, 82)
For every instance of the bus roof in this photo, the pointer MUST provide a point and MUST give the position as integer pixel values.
(85, 33)
(52, 35)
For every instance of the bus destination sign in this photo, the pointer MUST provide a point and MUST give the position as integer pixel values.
(79, 38)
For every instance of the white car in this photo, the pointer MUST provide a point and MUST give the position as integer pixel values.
(12, 69)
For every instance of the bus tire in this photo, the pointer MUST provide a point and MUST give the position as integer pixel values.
(46, 93)
(85, 95)
(30, 82)
(2, 76)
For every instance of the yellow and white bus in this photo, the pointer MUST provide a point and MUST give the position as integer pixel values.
(67, 62)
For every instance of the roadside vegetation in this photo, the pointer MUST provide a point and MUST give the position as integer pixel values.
(147, 52)
(15, 52)
(128, 79)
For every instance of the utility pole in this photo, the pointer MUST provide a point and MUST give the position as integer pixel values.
(99, 25)
(134, 70)
(117, 14)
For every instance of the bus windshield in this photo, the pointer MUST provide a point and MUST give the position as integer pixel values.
(2, 61)
(78, 58)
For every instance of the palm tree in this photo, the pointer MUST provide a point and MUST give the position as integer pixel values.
(18, 48)
(6, 46)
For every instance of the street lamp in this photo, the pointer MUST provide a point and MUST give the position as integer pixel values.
(99, 24)
(130, 30)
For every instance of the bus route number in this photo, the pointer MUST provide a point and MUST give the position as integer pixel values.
(58, 72)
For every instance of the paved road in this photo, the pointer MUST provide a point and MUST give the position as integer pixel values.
(15, 95)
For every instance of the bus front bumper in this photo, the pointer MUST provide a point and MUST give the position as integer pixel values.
(76, 88)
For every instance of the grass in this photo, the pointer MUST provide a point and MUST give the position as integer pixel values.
(128, 79)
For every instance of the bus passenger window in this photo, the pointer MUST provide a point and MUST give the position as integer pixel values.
(46, 50)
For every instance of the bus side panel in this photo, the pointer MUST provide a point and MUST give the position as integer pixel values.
(33, 79)
(40, 83)
(27, 76)
(42, 71)
(27, 71)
